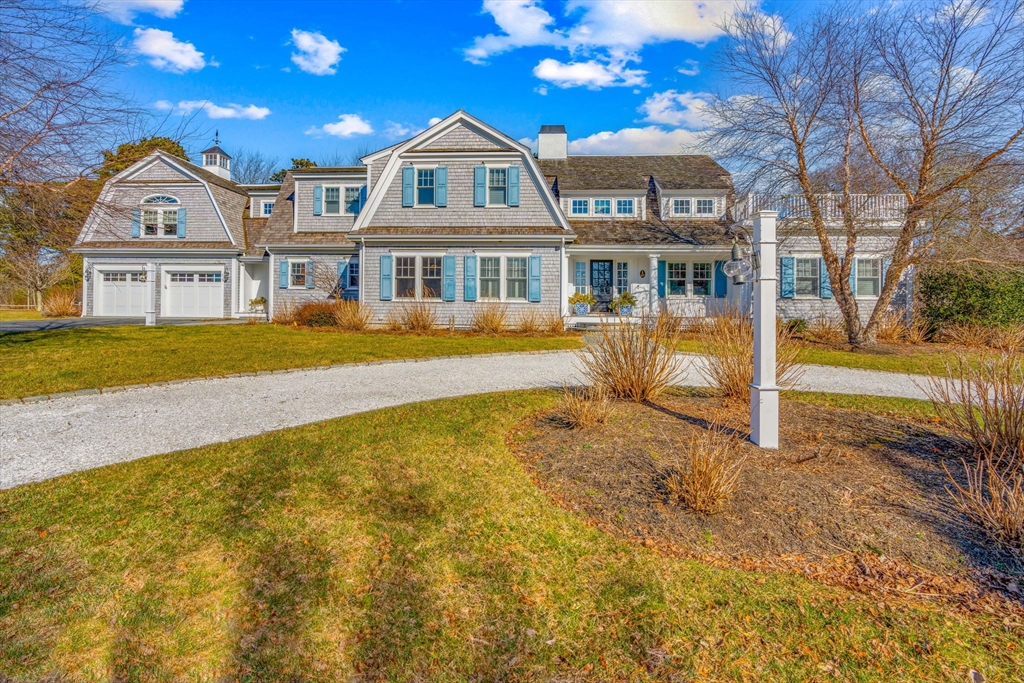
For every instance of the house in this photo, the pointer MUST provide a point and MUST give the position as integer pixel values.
(460, 215)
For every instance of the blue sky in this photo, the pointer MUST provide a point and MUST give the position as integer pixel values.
(313, 79)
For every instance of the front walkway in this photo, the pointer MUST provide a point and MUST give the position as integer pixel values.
(43, 440)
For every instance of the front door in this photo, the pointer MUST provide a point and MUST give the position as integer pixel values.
(601, 281)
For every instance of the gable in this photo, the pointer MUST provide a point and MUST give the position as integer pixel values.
(159, 169)
(463, 137)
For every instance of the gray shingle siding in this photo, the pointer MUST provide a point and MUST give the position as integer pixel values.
(159, 170)
(307, 222)
(463, 137)
(293, 297)
(111, 218)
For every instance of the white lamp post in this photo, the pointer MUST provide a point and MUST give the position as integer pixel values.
(764, 393)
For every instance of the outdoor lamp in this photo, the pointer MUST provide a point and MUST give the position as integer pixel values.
(740, 267)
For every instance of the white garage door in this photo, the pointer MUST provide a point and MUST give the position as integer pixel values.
(193, 295)
(121, 294)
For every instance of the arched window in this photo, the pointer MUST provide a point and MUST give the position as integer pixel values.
(159, 221)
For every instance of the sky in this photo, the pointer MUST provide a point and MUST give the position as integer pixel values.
(329, 79)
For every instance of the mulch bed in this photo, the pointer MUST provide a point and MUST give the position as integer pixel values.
(850, 498)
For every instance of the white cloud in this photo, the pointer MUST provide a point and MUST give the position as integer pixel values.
(166, 52)
(124, 11)
(541, 90)
(397, 130)
(316, 54)
(346, 126)
(524, 23)
(692, 68)
(673, 108)
(215, 111)
(648, 140)
(591, 74)
(434, 121)
(631, 25)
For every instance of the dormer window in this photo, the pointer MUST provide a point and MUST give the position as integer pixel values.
(705, 207)
(602, 207)
(624, 207)
(160, 216)
(425, 186)
(580, 207)
(681, 207)
(497, 186)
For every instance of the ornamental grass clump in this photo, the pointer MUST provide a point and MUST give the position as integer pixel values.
(707, 470)
(825, 328)
(60, 303)
(351, 316)
(491, 318)
(527, 321)
(584, 407)
(892, 328)
(633, 361)
(728, 342)
(418, 317)
(993, 498)
(553, 323)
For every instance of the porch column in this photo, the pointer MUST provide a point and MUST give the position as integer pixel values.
(764, 393)
(652, 276)
(150, 309)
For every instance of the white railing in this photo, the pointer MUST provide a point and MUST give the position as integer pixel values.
(880, 207)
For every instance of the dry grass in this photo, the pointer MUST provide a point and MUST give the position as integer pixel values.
(553, 323)
(527, 321)
(917, 333)
(892, 328)
(393, 321)
(491, 318)
(707, 473)
(824, 328)
(60, 303)
(993, 498)
(584, 407)
(284, 313)
(351, 315)
(968, 335)
(983, 401)
(635, 361)
(418, 317)
(729, 347)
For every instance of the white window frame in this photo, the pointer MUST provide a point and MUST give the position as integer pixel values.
(416, 188)
(159, 210)
(480, 277)
(688, 271)
(689, 212)
(878, 278)
(263, 206)
(700, 214)
(496, 167)
(353, 267)
(618, 273)
(503, 257)
(305, 264)
(603, 199)
(632, 202)
(418, 271)
(690, 275)
(323, 198)
(817, 286)
(572, 209)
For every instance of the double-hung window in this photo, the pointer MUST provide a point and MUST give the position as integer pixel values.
(353, 273)
(580, 277)
(405, 277)
(425, 186)
(702, 279)
(622, 276)
(497, 186)
(602, 207)
(352, 200)
(869, 277)
(624, 207)
(268, 208)
(490, 277)
(676, 278)
(579, 207)
(160, 222)
(705, 207)
(806, 277)
(431, 280)
(680, 207)
(515, 278)
(332, 201)
(298, 273)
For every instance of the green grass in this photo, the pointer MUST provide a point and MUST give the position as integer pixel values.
(881, 405)
(30, 314)
(66, 360)
(409, 544)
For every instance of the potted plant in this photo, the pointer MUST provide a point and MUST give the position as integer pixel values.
(258, 305)
(623, 304)
(581, 302)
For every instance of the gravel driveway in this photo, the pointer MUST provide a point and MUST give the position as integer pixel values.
(47, 439)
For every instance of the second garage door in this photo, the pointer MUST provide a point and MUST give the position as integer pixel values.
(193, 295)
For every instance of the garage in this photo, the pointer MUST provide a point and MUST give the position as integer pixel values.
(193, 294)
(121, 293)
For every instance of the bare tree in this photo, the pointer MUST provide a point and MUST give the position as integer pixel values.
(922, 99)
(36, 269)
(252, 167)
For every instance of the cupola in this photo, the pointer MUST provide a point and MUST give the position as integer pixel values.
(216, 160)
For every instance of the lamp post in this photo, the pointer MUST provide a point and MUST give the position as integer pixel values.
(764, 393)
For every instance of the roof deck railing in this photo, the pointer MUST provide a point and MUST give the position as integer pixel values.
(878, 207)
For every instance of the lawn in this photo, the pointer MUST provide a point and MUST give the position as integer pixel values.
(27, 314)
(67, 360)
(409, 543)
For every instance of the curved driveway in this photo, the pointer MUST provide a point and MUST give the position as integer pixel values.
(43, 440)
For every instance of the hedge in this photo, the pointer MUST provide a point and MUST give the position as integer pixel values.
(990, 297)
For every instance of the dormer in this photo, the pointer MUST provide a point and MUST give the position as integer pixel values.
(216, 160)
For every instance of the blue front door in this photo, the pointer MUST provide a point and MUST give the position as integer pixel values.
(601, 280)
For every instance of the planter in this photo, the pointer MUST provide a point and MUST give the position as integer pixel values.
(625, 311)
(581, 309)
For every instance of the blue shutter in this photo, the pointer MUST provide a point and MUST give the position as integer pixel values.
(448, 278)
(181, 223)
(136, 223)
(387, 269)
(441, 186)
(513, 186)
(824, 282)
(342, 274)
(853, 276)
(318, 200)
(310, 272)
(533, 287)
(662, 278)
(362, 199)
(721, 281)
(283, 281)
(787, 275)
(469, 278)
(408, 189)
(479, 186)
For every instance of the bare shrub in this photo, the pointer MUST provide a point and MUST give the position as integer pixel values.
(707, 472)
(527, 321)
(729, 348)
(825, 328)
(673, 324)
(553, 323)
(635, 361)
(917, 333)
(284, 313)
(351, 315)
(393, 321)
(983, 401)
(419, 317)
(892, 328)
(60, 303)
(316, 314)
(993, 498)
(1009, 339)
(491, 318)
(584, 407)
(968, 335)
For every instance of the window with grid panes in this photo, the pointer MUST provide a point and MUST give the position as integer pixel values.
(515, 278)
(405, 277)
(431, 277)
(702, 279)
(490, 277)
(676, 278)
